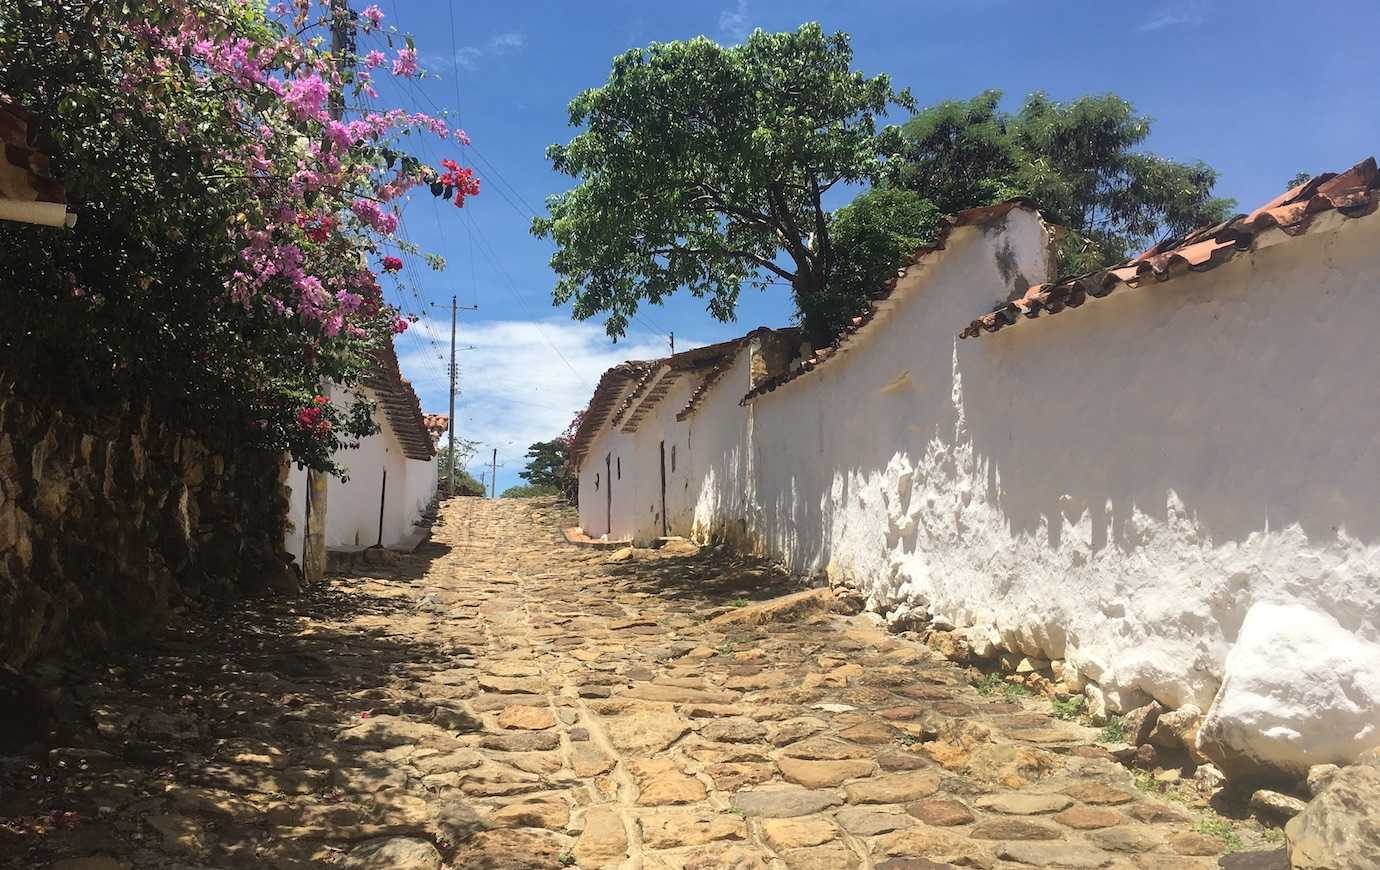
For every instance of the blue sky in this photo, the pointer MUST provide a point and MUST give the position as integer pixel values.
(1249, 87)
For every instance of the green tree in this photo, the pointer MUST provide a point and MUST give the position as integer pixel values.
(1077, 160)
(465, 483)
(233, 239)
(547, 464)
(529, 490)
(705, 167)
(872, 235)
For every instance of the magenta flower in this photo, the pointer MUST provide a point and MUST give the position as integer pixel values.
(373, 17)
(405, 64)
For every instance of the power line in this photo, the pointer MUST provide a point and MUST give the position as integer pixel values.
(512, 287)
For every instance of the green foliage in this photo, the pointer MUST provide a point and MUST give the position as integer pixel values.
(701, 166)
(1067, 709)
(737, 602)
(995, 683)
(548, 466)
(1076, 160)
(1222, 830)
(150, 293)
(873, 235)
(529, 490)
(1113, 731)
(1297, 179)
(989, 684)
(465, 483)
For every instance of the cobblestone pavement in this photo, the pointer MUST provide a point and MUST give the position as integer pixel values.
(503, 700)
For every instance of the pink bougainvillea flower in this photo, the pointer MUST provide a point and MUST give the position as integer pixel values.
(373, 17)
(405, 64)
(392, 264)
(373, 59)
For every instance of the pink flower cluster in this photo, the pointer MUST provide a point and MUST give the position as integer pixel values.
(405, 64)
(370, 214)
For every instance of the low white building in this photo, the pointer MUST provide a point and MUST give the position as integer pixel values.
(390, 479)
(1173, 486)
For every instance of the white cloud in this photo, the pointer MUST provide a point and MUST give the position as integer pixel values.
(734, 23)
(469, 56)
(510, 41)
(515, 388)
(1183, 14)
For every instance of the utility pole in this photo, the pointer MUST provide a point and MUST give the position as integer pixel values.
(450, 421)
(314, 508)
(454, 375)
(342, 51)
(672, 336)
(493, 476)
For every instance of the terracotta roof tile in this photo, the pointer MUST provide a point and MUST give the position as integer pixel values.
(26, 172)
(1351, 194)
(621, 387)
(400, 405)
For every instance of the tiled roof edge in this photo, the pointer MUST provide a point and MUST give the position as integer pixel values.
(1351, 194)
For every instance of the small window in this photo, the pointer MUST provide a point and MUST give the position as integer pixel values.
(620, 467)
(673, 458)
(596, 483)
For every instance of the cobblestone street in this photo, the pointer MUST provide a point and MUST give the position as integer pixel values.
(501, 699)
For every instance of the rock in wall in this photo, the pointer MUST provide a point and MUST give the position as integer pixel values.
(111, 514)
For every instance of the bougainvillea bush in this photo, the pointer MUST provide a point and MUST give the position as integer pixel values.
(232, 234)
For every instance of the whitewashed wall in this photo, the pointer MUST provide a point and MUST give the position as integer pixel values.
(352, 505)
(297, 510)
(1124, 485)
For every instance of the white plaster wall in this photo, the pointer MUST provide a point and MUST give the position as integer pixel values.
(422, 481)
(1117, 484)
(297, 510)
(696, 450)
(352, 505)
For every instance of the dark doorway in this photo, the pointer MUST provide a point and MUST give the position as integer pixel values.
(608, 494)
(664, 525)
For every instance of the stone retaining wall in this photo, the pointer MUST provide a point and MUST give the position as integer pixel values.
(111, 515)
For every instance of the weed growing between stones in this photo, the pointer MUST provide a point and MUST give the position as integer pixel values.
(737, 602)
(995, 684)
(1113, 731)
(1220, 829)
(1068, 709)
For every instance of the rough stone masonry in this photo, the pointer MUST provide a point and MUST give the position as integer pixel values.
(111, 514)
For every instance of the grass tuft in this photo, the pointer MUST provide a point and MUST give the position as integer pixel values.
(1222, 830)
(1069, 709)
(1113, 732)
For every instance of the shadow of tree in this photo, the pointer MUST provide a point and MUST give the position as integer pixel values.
(712, 577)
(229, 704)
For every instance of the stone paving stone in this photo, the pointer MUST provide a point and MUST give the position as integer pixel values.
(507, 701)
(1016, 804)
(673, 829)
(821, 774)
(941, 813)
(894, 788)
(784, 802)
(1088, 818)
